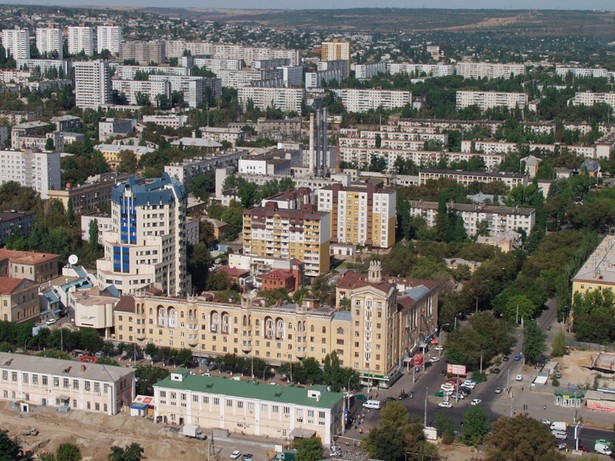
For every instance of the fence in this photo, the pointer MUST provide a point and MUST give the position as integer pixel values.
(580, 345)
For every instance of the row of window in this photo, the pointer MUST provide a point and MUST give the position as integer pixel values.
(44, 380)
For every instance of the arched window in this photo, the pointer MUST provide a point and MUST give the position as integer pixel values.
(214, 322)
(172, 317)
(226, 323)
(268, 328)
(162, 316)
(340, 331)
(279, 328)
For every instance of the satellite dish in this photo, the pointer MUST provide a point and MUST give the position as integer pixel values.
(73, 259)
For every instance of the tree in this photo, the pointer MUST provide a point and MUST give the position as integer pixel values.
(49, 145)
(475, 425)
(132, 452)
(559, 346)
(533, 342)
(521, 439)
(147, 376)
(308, 449)
(93, 245)
(67, 452)
(199, 261)
(445, 427)
(128, 162)
(10, 449)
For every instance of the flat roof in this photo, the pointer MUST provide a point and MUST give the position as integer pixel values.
(250, 390)
(600, 266)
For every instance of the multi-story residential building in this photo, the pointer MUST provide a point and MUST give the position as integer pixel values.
(279, 412)
(66, 122)
(285, 99)
(222, 134)
(368, 71)
(364, 100)
(388, 319)
(490, 99)
(92, 84)
(196, 166)
(337, 51)
(147, 246)
(495, 219)
(129, 72)
(134, 89)
(94, 195)
(468, 177)
(172, 121)
(81, 40)
(583, 72)
(40, 267)
(50, 42)
(63, 66)
(430, 70)
(15, 222)
(286, 234)
(104, 223)
(588, 98)
(38, 170)
(16, 42)
(153, 51)
(216, 65)
(109, 38)
(38, 141)
(502, 147)
(27, 129)
(489, 70)
(14, 117)
(598, 271)
(228, 52)
(363, 214)
(65, 383)
(115, 126)
(18, 299)
(194, 89)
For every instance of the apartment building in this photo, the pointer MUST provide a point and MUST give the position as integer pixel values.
(147, 245)
(172, 121)
(249, 408)
(336, 50)
(63, 66)
(14, 117)
(66, 383)
(81, 40)
(93, 195)
(286, 234)
(430, 70)
(191, 168)
(115, 126)
(18, 299)
(50, 42)
(40, 267)
(388, 320)
(129, 72)
(109, 38)
(491, 99)
(153, 51)
(364, 100)
(66, 122)
(598, 271)
(12, 222)
(497, 219)
(92, 84)
(38, 170)
(582, 72)
(468, 177)
(362, 214)
(193, 88)
(368, 71)
(222, 134)
(285, 99)
(136, 89)
(588, 98)
(489, 70)
(502, 147)
(16, 43)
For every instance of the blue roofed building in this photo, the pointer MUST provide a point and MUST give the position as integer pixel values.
(146, 246)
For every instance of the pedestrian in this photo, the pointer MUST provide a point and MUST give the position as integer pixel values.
(544, 407)
(522, 389)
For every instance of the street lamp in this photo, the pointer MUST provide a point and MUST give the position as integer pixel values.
(425, 415)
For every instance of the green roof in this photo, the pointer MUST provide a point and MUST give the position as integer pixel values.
(252, 390)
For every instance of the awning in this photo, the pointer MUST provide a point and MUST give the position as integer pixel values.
(299, 433)
(139, 406)
(63, 397)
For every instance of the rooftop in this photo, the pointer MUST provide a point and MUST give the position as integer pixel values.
(251, 390)
(600, 267)
(9, 285)
(26, 257)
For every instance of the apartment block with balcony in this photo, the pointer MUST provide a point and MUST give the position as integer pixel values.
(38, 170)
(490, 99)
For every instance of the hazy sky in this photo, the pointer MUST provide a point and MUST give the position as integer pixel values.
(318, 4)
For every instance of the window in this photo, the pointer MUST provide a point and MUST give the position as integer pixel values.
(14, 376)
(75, 384)
(321, 414)
(240, 404)
(56, 381)
(264, 407)
(163, 394)
(275, 408)
(229, 403)
(25, 378)
(195, 398)
(87, 385)
(5, 375)
(205, 399)
(216, 401)
(34, 379)
(96, 387)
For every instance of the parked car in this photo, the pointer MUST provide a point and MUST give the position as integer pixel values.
(246, 456)
(475, 401)
(439, 347)
(445, 404)
(387, 400)
(517, 357)
(434, 359)
(498, 390)
(505, 358)
(495, 371)
(519, 378)
(51, 322)
(546, 422)
(361, 397)
(558, 375)
(236, 454)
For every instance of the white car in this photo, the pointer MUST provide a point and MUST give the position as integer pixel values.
(445, 405)
(546, 422)
(51, 321)
(519, 377)
(434, 359)
(439, 347)
(475, 401)
(236, 454)
(447, 387)
(469, 385)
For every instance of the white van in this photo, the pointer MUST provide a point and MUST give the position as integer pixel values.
(375, 404)
(559, 435)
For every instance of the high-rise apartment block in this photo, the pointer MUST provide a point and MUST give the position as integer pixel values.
(305, 234)
(144, 52)
(491, 99)
(361, 214)
(16, 42)
(147, 246)
(135, 89)
(285, 99)
(336, 50)
(49, 41)
(38, 170)
(81, 39)
(92, 84)
(109, 38)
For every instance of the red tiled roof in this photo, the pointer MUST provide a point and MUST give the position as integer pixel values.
(26, 257)
(278, 274)
(125, 304)
(234, 271)
(8, 285)
(352, 279)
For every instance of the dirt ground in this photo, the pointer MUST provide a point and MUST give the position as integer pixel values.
(94, 434)
(459, 452)
(572, 368)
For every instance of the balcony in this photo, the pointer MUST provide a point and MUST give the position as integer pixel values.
(193, 342)
(300, 353)
(246, 346)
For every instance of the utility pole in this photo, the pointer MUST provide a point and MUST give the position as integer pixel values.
(425, 415)
(481, 362)
(517, 316)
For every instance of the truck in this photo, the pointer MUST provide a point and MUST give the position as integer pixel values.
(193, 431)
(603, 446)
(558, 426)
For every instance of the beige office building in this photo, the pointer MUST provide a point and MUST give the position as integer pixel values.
(65, 383)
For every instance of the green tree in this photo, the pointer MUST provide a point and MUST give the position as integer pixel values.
(49, 145)
(93, 245)
(558, 345)
(10, 449)
(475, 425)
(533, 342)
(67, 452)
(147, 376)
(132, 452)
(308, 449)
(445, 427)
(199, 262)
(128, 162)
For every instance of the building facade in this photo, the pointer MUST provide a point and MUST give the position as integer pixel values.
(491, 99)
(92, 84)
(16, 42)
(50, 41)
(40, 267)
(597, 273)
(153, 51)
(109, 38)
(81, 40)
(38, 170)
(18, 299)
(65, 383)
(489, 70)
(285, 99)
(363, 100)
(15, 222)
(147, 246)
(468, 177)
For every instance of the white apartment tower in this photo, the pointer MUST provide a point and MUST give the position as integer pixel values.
(17, 43)
(37, 170)
(146, 247)
(109, 38)
(92, 84)
(81, 38)
(49, 40)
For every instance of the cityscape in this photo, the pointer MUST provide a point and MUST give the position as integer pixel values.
(261, 234)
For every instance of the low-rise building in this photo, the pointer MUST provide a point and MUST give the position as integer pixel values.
(15, 222)
(598, 272)
(65, 383)
(250, 408)
(18, 299)
(196, 166)
(468, 177)
(491, 99)
(115, 126)
(111, 152)
(31, 265)
(172, 121)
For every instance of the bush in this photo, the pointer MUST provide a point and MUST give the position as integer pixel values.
(479, 377)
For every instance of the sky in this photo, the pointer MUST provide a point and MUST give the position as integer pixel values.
(327, 4)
